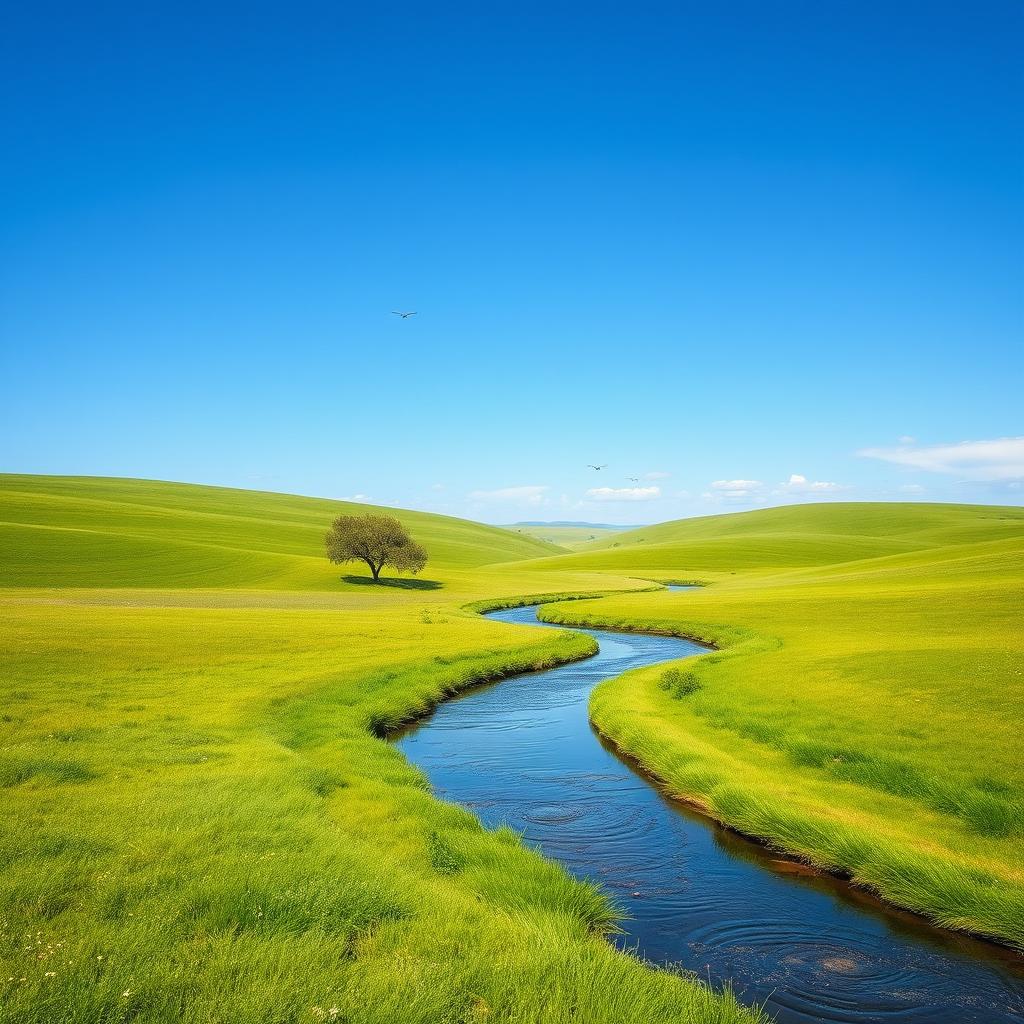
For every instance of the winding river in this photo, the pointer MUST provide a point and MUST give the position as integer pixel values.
(809, 948)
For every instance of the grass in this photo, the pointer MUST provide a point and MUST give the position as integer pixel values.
(100, 532)
(201, 823)
(864, 707)
(570, 538)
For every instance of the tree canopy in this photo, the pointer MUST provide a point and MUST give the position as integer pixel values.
(375, 540)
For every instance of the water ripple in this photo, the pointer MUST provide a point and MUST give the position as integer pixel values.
(522, 753)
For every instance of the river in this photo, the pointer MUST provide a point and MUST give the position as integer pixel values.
(522, 752)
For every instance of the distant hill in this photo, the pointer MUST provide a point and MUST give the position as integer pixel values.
(571, 522)
(794, 536)
(569, 535)
(111, 532)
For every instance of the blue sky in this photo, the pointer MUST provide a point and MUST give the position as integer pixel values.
(744, 253)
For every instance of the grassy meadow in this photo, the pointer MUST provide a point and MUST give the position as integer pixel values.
(865, 707)
(201, 822)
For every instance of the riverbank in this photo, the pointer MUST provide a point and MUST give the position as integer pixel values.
(521, 753)
(862, 715)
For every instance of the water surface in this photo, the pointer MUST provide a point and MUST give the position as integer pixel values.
(522, 752)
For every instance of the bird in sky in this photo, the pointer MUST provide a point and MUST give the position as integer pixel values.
(633, 479)
(590, 465)
(404, 316)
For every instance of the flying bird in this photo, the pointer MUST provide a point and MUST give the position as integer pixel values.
(590, 465)
(634, 479)
(404, 316)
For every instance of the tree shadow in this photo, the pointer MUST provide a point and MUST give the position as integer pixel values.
(397, 582)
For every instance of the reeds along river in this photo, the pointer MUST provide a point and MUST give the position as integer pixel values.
(522, 753)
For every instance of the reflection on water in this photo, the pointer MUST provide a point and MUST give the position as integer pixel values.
(522, 753)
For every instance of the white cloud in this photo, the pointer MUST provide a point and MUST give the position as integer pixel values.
(623, 493)
(996, 460)
(754, 492)
(437, 487)
(911, 489)
(906, 439)
(356, 497)
(735, 488)
(529, 494)
(798, 484)
(657, 474)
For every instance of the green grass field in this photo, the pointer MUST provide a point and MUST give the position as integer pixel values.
(200, 823)
(865, 708)
(99, 532)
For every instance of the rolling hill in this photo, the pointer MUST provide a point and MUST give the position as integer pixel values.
(200, 821)
(188, 652)
(792, 536)
(97, 531)
(864, 708)
(571, 536)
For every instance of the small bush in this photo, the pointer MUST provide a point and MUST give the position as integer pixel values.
(679, 683)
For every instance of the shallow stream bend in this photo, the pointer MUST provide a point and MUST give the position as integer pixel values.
(522, 752)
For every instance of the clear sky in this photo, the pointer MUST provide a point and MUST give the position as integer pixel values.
(744, 253)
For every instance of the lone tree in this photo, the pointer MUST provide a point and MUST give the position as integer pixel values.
(375, 540)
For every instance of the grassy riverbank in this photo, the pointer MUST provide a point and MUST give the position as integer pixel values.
(200, 823)
(865, 707)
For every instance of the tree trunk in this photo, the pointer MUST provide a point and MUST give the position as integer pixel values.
(375, 569)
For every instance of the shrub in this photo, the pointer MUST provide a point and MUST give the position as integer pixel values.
(679, 683)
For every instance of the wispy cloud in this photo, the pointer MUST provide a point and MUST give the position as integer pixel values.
(657, 474)
(734, 490)
(623, 493)
(997, 460)
(356, 497)
(755, 492)
(527, 494)
(798, 484)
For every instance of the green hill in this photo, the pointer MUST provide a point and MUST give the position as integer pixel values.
(200, 823)
(864, 708)
(570, 536)
(195, 655)
(796, 535)
(108, 532)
